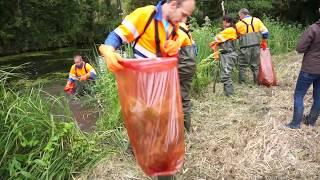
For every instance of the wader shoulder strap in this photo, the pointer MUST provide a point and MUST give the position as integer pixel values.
(157, 39)
(185, 31)
(75, 69)
(145, 28)
(252, 24)
(173, 33)
(248, 24)
(85, 69)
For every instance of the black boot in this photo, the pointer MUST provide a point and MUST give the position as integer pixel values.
(166, 178)
(311, 119)
(242, 77)
(187, 125)
(129, 149)
(228, 89)
(255, 77)
(296, 120)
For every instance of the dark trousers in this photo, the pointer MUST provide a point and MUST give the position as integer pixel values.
(303, 83)
(249, 56)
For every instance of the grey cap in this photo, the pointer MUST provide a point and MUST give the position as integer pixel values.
(244, 11)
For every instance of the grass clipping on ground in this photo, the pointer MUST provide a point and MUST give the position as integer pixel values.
(242, 137)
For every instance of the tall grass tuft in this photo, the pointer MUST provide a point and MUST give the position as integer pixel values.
(106, 95)
(206, 67)
(40, 140)
(283, 37)
(109, 125)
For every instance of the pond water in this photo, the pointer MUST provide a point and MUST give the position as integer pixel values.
(42, 63)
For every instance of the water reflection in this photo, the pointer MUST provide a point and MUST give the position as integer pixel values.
(40, 63)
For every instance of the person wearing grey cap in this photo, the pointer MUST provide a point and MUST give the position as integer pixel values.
(253, 35)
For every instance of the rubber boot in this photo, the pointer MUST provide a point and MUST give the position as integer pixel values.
(129, 150)
(255, 77)
(187, 124)
(166, 178)
(242, 76)
(228, 89)
(312, 118)
(296, 120)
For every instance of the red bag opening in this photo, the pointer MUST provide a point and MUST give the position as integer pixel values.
(151, 106)
(267, 76)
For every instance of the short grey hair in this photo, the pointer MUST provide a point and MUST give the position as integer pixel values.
(244, 11)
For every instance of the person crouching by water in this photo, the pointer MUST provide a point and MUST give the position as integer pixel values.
(80, 76)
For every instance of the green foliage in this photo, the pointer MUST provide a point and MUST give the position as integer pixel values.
(37, 143)
(283, 37)
(208, 70)
(40, 140)
(47, 24)
(130, 5)
(256, 7)
(304, 12)
(205, 64)
(106, 99)
(38, 25)
(106, 92)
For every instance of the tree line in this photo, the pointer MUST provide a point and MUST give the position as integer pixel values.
(46, 24)
(42, 25)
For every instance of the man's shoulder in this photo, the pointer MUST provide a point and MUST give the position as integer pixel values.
(257, 19)
(144, 10)
(88, 65)
(230, 30)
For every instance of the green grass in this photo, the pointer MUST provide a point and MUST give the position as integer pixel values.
(40, 140)
(37, 143)
(207, 68)
(106, 96)
(283, 37)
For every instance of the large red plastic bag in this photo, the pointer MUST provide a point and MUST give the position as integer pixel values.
(267, 75)
(151, 107)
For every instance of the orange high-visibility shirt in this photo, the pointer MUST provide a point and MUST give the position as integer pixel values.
(76, 73)
(229, 33)
(257, 25)
(184, 36)
(134, 24)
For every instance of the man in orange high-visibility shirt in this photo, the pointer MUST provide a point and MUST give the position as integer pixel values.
(151, 29)
(153, 32)
(80, 73)
(253, 36)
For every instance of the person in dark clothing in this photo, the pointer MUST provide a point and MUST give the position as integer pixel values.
(309, 44)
